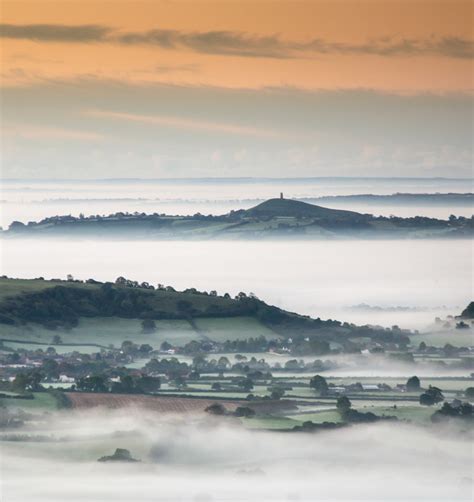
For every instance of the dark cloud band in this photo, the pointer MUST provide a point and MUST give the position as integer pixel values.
(55, 32)
(241, 44)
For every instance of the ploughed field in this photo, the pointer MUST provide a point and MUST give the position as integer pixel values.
(163, 404)
(153, 403)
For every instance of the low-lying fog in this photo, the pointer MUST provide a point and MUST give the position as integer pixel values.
(32, 200)
(196, 459)
(323, 278)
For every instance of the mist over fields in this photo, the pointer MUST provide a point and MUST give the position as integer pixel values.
(29, 200)
(197, 457)
(203, 459)
(324, 279)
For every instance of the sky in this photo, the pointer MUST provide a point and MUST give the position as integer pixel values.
(96, 89)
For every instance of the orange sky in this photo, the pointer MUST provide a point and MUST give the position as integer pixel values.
(351, 23)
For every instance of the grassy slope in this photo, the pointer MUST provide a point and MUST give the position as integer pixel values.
(165, 301)
(14, 287)
(113, 330)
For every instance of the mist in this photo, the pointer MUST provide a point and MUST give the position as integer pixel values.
(32, 200)
(207, 459)
(323, 279)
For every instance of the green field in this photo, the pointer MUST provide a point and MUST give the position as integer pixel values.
(269, 422)
(9, 287)
(42, 401)
(457, 338)
(232, 328)
(105, 331)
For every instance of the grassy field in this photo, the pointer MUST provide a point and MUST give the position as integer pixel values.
(105, 331)
(458, 338)
(269, 422)
(9, 287)
(60, 349)
(232, 328)
(42, 401)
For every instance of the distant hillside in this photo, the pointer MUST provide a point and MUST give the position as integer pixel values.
(468, 312)
(63, 305)
(272, 219)
(294, 208)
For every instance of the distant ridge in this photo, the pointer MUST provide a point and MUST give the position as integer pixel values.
(296, 208)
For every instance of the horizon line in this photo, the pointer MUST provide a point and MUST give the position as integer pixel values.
(238, 178)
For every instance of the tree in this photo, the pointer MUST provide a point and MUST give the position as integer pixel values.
(216, 409)
(20, 382)
(432, 396)
(50, 368)
(469, 392)
(148, 384)
(277, 393)
(319, 384)
(455, 409)
(145, 348)
(244, 411)
(95, 383)
(148, 326)
(343, 404)
(223, 362)
(246, 384)
(165, 346)
(56, 340)
(413, 384)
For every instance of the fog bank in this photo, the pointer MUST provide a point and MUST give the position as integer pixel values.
(321, 278)
(218, 460)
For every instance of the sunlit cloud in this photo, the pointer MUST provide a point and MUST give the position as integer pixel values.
(185, 123)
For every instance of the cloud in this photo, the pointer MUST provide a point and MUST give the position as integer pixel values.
(211, 42)
(234, 43)
(185, 123)
(55, 32)
(242, 44)
(282, 130)
(453, 47)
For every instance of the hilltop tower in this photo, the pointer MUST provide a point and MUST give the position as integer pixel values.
(281, 195)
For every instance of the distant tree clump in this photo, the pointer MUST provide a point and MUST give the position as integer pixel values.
(148, 326)
(246, 384)
(468, 312)
(456, 409)
(432, 396)
(216, 409)
(469, 392)
(413, 384)
(319, 384)
(343, 404)
(244, 411)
